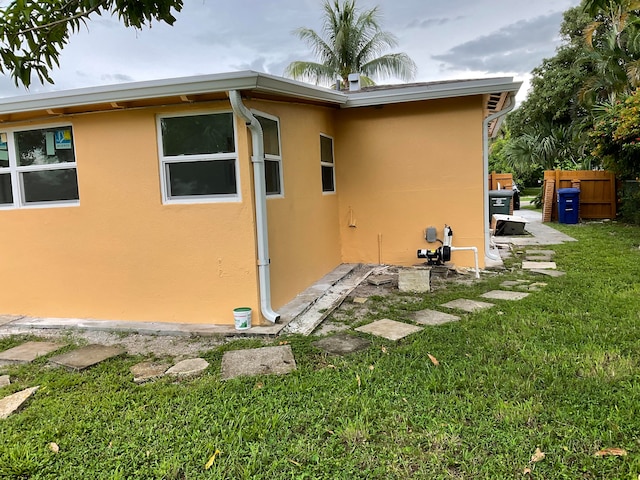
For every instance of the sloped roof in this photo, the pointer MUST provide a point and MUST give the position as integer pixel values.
(259, 85)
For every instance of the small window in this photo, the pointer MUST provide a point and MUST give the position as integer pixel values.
(38, 167)
(327, 165)
(198, 157)
(273, 158)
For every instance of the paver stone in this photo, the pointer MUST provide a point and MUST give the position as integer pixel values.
(504, 295)
(341, 344)
(389, 329)
(467, 305)
(433, 317)
(13, 402)
(28, 352)
(87, 356)
(258, 361)
(188, 368)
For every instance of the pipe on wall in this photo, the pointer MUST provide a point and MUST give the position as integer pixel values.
(260, 189)
(485, 156)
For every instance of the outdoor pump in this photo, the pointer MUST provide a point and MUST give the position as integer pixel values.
(441, 254)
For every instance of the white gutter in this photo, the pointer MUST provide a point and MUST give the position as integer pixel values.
(262, 234)
(485, 156)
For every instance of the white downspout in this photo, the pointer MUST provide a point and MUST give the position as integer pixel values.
(485, 155)
(262, 233)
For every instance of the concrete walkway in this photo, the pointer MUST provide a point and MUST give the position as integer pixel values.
(540, 233)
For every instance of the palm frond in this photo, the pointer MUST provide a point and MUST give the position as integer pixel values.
(391, 65)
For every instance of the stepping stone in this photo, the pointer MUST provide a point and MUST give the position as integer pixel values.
(28, 352)
(538, 265)
(504, 295)
(188, 368)
(433, 317)
(467, 305)
(389, 329)
(13, 402)
(513, 283)
(540, 252)
(538, 258)
(86, 356)
(380, 279)
(145, 371)
(550, 273)
(5, 380)
(341, 344)
(414, 279)
(538, 284)
(258, 361)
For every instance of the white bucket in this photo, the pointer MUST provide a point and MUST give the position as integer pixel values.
(242, 317)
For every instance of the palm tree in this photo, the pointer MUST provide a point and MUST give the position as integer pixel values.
(351, 42)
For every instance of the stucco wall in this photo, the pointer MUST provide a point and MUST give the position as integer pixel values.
(404, 167)
(122, 254)
(304, 239)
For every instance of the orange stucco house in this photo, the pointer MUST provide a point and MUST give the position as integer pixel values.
(179, 200)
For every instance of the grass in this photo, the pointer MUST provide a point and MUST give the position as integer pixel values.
(558, 371)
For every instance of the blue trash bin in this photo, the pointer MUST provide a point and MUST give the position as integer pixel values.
(568, 205)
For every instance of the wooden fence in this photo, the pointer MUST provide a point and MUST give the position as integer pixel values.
(597, 192)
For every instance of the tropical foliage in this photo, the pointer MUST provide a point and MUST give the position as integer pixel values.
(33, 32)
(351, 41)
(583, 108)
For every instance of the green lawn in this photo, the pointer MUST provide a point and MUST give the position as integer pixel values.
(558, 371)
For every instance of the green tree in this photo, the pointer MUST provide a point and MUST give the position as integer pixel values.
(351, 42)
(34, 32)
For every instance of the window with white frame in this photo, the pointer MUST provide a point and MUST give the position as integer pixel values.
(198, 157)
(38, 167)
(327, 165)
(273, 158)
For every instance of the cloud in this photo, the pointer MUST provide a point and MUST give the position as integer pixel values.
(432, 22)
(518, 47)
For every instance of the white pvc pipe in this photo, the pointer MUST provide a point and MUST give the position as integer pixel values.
(475, 255)
(260, 189)
(485, 156)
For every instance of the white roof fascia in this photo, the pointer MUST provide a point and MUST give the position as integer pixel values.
(246, 80)
(432, 92)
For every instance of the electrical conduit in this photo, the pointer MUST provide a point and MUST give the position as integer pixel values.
(262, 234)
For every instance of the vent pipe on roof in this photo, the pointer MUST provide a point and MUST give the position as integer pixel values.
(354, 82)
(262, 233)
(485, 158)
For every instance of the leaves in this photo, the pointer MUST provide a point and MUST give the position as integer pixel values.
(33, 32)
(212, 459)
(538, 456)
(352, 41)
(433, 359)
(611, 451)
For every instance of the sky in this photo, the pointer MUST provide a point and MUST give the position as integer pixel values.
(451, 39)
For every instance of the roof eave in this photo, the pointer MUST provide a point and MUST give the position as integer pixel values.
(432, 92)
(242, 81)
